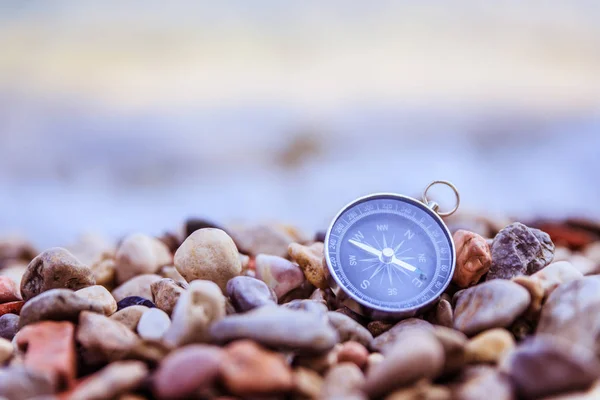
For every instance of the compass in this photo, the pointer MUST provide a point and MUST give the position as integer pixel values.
(390, 256)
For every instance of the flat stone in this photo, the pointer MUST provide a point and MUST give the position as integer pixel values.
(140, 254)
(208, 254)
(310, 260)
(49, 348)
(9, 325)
(9, 291)
(349, 329)
(99, 295)
(153, 324)
(55, 268)
(419, 355)
(545, 365)
(187, 370)
(247, 293)
(112, 381)
(473, 258)
(519, 250)
(56, 305)
(287, 329)
(489, 346)
(197, 309)
(492, 304)
(138, 286)
(21, 383)
(166, 292)
(250, 370)
(102, 339)
(387, 339)
(281, 275)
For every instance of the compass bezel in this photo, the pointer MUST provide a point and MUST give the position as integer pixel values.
(363, 307)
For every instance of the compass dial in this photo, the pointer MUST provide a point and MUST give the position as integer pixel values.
(390, 253)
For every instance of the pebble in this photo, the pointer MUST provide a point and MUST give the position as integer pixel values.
(419, 355)
(378, 327)
(133, 301)
(112, 381)
(9, 325)
(288, 329)
(247, 293)
(387, 339)
(49, 348)
(519, 250)
(172, 273)
(489, 346)
(349, 329)
(187, 370)
(138, 286)
(353, 352)
(201, 306)
(536, 294)
(263, 239)
(281, 275)
(56, 305)
(208, 254)
(15, 272)
(473, 258)
(130, 316)
(9, 291)
(545, 365)
(21, 383)
(153, 324)
(483, 382)
(422, 390)
(250, 370)
(307, 383)
(55, 268)
(441, 314)
(105, 273)
(454, 344)
(555, 274)
(573, 312)
(14, 307)
(310, 260)
(6, 350)
(492, 304)
(319, 362)
(140, 254)
(99, 295)
(103, 339)
(343, 381)
(166, 292)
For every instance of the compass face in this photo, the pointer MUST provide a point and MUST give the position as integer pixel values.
(390, 253)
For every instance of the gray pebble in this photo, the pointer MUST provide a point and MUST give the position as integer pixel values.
(313, 306)
(387, 339)
(153, 324)
(519, 250)
(247, 293)
(493, 304)
(9, 325)
(20, 383)
(349, 329)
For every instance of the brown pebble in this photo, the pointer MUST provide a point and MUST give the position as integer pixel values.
(113, 380)
(137, 286)
(310, 260)
(353, 352)
(307, 383)
(165, 293)
(473, 258)
(130, 316)
(9, 291)
(489, 346)
(140, 254)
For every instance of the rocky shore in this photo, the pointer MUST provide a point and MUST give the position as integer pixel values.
(245, 312)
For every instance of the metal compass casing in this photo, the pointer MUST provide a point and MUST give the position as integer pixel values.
(390, 256)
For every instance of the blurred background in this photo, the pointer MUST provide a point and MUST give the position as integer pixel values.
(132, 116)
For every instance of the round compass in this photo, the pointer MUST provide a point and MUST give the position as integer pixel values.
(391, 255)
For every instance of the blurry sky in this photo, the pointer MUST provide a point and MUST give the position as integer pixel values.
(125, 116)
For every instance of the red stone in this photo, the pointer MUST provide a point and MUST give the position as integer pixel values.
(50, 348)
(566, 235)
(14, 307)
(9, 290)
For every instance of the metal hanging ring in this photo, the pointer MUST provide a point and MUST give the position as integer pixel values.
(451, 186)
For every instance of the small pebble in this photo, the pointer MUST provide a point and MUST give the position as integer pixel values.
(387, 339)
(9, 325)
(262, 239)
(21, 383)
(166, 292)
(9, 291)
(208, 254)
(441, 314)
(422, 390)
(417, 356)
(348, 329)
(6, 350)
(519, 250)
(536, 294)
(186, 370)
(130, 316)
(99, 295)
(281, 275)
(473, 258)
(103, 339)
(14, 307)
(49, 348)
(310, 260)
(492, 304)
(288, 329)
(353, 352)
(172, 273)
(153, 324)
(132, 301)
(250, 370)
(489, 346)
(454, 344)
(140, 254)
(307, 383)
(105, 273)
(138, 286)
(197, 309)
(555, 274)
(483, 382)
(315, 307)
(378, 327)
(55, 268)
(56, 305)
(343, 381)
(111, 381)
(247, 293)
(14, 271)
